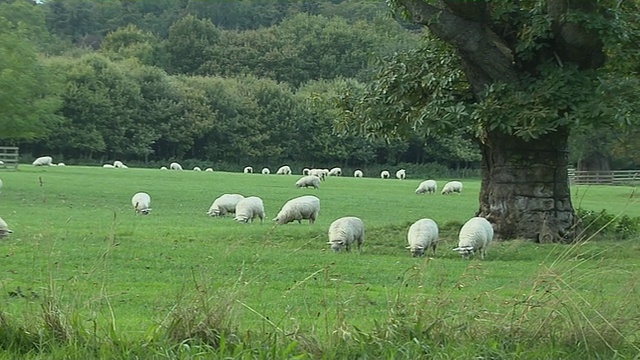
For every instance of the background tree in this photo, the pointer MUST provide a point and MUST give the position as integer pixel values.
(521, 76)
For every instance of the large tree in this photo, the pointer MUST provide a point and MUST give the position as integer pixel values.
(519, 75)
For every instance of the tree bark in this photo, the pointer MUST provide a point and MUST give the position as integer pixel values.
(525, 187)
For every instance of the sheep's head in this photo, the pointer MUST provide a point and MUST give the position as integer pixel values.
(4, 233)
(146, 211)
(416, 251)
(465, 251)
(336, 245)
(241, 219)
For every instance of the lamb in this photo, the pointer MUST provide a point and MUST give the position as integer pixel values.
(384, 174)
(346, 231)
(284, 170)
(248, 209)
(248, 170)
(307, 181)
(141, 202)
(358, 173)
(43, 161)
(427, 186)
(118, 164)
(175, 166)
(336, 171)
(4, 229)
(197, 168)
(266, 171)
(451, 187)
(209, 169)
(108, 166)
(303, 207)
(475, 235)
(224, 204)
(401, 174)
(422, 235)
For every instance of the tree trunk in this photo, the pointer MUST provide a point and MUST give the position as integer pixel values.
(525, 187)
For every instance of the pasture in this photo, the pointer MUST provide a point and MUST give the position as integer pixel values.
(143, 283)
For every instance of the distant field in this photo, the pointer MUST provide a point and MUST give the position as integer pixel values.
(76, 238)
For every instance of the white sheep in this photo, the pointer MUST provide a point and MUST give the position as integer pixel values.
(451, 187)
(197, 168)
(336, 171)
(284, 170)
(119, 165)
(358, 173)
(209, 169)
(224, 204)
(141, 203)
(384, 174)
(345, 231)
(305, 171)
(303, 207)
(163, 168)
(266, 171)
(475, 235)
(4, 229)
(108, 166)
(175, 166)
(422, 235)
(401, 174)
(248, 209)
(0, 184)
(319, 173)
(248, 170)
(62, 164)
(307, 181)
(427, 186)
(43, 161)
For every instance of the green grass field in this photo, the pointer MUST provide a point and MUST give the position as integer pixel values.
(152, 282)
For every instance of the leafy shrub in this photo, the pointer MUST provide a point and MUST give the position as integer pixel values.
(606, 224)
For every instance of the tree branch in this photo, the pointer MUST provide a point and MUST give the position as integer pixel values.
(486, 56)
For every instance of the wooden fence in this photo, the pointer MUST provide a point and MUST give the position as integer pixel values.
(8, 157)
(604, 177)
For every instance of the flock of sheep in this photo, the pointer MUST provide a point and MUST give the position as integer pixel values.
(474, 236)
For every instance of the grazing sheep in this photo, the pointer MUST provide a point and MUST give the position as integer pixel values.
(141, 202)
(319, 173)
(305, 171)
(423, 234)
(427, 186)
(344, 232)
(266, 171)
(163, 168)
(307, 181)
(248, 170)
(224, 204)
(336, 171)
(175, 166)
(118, 164)
(475, 235)
(1, 162)
(358, 173)
(62, 164)
(108, 166)
(401, 174)
(209, 170)
(4, 229)
(0, 184)
(43, 161)
(303, 207)
(384, 174)
(248, 209)
(197, 168)
(451, 187)
(284, 170)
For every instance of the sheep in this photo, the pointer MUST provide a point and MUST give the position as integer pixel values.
(384, 174)
(305, 171)
(248, 170)
(401, 174)
(118, 164)
(266, 171)
(427, 186)
(197, 168)
(318, 173)
(62, 164)
(1, 162)
(248, 209)
(209, 169)
(475, 235)
(224, 204)
(4, 229)
(422, 235)
(284, 170)
(307, 181)
(336, 171)
(344, 232)
(451, 187)
(0, 184)
(175, 166)
(163, 168)
(141, 202)
(108, 166)
(358, 173)
(303, 207)
(43, 161)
